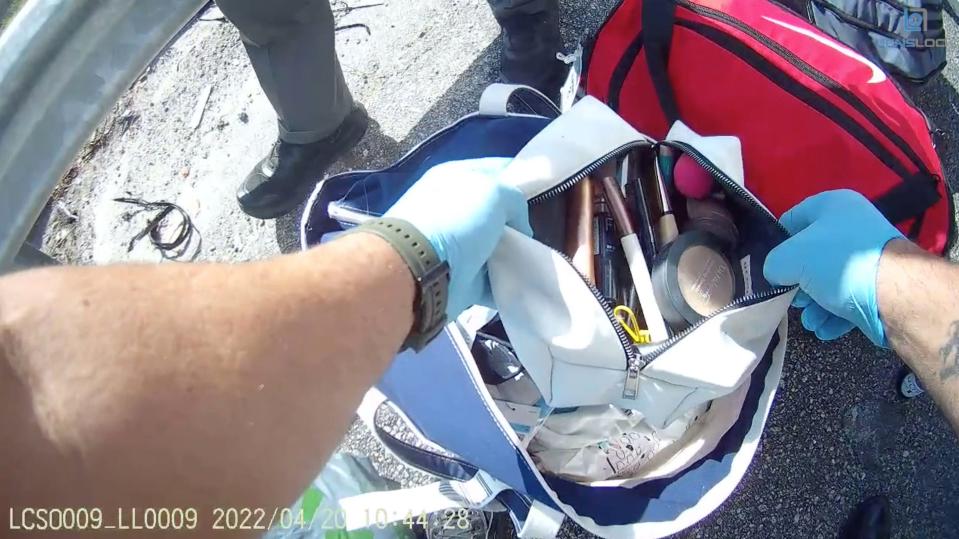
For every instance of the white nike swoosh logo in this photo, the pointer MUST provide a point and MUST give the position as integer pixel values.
(878, 75)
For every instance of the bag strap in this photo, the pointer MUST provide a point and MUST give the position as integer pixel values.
(909, 199)
(481, 491)
(497, 97)
(542, 522)
(418, 456)
(657, 21)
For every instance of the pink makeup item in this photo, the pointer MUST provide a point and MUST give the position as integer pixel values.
(690, 179)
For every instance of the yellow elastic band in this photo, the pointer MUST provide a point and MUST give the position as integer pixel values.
(627, 319)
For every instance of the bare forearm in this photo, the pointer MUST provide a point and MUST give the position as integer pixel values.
(919, 304)
(192, 385)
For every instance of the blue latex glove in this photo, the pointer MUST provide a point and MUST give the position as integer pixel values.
(833, 255)
(463, 208)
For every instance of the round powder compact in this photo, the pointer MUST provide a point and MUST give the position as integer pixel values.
(712, 216)
(692, 279)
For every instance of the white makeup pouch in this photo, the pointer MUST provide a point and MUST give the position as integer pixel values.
(564, 331)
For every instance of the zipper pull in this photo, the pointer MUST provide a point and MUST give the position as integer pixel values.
(631, 386)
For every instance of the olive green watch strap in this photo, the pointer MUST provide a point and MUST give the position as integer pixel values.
(432, 276)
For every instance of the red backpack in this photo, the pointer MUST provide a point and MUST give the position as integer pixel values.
(812, 114)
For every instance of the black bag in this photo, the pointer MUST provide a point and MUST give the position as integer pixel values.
(907, 37)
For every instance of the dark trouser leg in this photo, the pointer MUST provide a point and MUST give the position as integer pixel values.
(531, 39)
(504, 9)
(292, 49)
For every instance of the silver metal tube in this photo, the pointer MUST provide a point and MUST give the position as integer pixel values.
(63, 65)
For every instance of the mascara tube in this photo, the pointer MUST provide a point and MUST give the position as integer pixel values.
(604, 245)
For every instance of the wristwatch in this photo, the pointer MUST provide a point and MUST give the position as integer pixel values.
(432, 276)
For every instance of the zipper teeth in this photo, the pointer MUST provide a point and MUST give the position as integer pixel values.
(604, 303)
(635, 362)
(741, 302)
(745, 195)
(808, 70)
(818, 102)
(566, 184)
(573, 180)
(725, 180)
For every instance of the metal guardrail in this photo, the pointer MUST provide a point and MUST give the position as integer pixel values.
(63, 65)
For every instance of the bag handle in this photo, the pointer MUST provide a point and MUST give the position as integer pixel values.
(497, 97)
(481, 491)
(909, 199)
(542, 522)
(657, 20)
(422, 457)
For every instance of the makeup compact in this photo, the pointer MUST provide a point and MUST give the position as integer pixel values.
(624, 213)
(711, 215)
(692, 278)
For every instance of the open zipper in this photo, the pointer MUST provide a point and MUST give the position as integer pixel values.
(848, 97)
(636, 361)
(730, 185)
(629, 348)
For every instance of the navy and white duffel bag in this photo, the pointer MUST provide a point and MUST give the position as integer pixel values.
(544, 408)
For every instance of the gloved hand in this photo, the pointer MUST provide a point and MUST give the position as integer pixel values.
(463, 208)
(833, 255)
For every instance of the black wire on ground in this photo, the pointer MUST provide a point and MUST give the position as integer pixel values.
(184, 231)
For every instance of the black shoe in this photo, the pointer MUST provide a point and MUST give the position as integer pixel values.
(283, 179)
(530, 44)
(871, 519)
